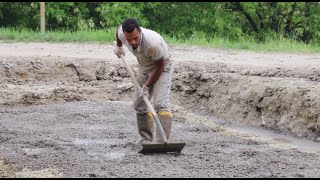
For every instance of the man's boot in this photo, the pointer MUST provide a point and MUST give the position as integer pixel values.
(165, 118)
(145, 126)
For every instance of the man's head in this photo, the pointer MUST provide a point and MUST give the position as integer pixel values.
(132, 32)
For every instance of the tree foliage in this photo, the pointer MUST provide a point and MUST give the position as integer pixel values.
(295, 20)
(112, 14)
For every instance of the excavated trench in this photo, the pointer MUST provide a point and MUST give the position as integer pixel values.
(290, 104)
(69, 114)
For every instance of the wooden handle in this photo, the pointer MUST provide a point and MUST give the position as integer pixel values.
(146, 100)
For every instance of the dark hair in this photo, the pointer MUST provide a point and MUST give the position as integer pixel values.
(130, 24)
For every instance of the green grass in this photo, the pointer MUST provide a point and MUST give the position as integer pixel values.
(275, 44)
(24, 35)
(272, 44)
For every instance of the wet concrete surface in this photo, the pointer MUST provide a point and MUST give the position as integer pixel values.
(99, 139)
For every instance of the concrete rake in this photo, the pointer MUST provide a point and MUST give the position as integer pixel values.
(153, 147)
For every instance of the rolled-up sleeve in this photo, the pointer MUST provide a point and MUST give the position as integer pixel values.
(121, 34)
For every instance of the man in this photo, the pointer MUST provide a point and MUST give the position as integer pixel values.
(154, 76)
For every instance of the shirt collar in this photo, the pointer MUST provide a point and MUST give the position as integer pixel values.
(140, 43)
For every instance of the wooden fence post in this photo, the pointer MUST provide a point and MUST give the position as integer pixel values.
(43, 16)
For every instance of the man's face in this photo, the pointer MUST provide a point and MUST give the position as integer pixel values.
(133, 38)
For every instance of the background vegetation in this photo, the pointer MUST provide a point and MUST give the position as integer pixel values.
(234, 24)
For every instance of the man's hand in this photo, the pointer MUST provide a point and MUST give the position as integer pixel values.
(143, 91)
(118, 51)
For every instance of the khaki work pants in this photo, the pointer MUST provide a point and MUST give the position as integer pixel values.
(159, 93)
